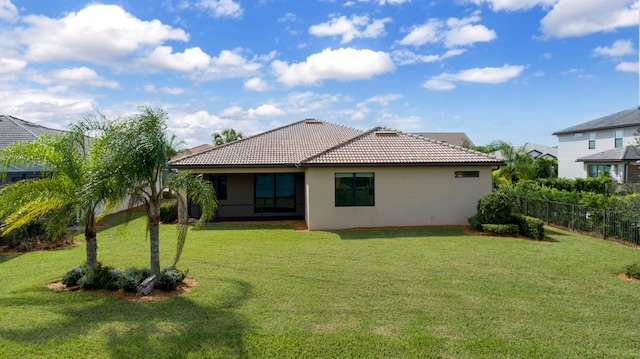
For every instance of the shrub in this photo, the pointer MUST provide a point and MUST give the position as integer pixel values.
(99, 277)
(169, 211)
(475, 223)
(170, 278)
(633, 270)
(529, 226)
(494, 208)
(133, 277)
(73, 276)
(501, 228)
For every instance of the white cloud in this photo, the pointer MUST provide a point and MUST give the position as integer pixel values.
(191, 59)
(266, 110)
(453, 32)
(230, 64)
(172, 90)
(101, 34)
(10, 65)
(349, 29)
(8, 11)
(514, 5)
(627, 67)
(54, 107)
(397, 122)
(463, 32)
(381, 2)
(619, 48)
(256, 84)
(345, 64)
(222, 8)
(486, 75)
(81, 76)
(570, 18)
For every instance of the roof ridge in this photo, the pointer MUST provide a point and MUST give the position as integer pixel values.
(341, 144)
(13, 120)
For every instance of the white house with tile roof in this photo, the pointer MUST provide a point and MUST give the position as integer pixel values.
(603, 144)
(13, 130)
(335, 177)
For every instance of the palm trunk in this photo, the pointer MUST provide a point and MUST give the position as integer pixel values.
(91, 240)
(154, 243)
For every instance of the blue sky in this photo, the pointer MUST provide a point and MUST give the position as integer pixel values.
(512, 70)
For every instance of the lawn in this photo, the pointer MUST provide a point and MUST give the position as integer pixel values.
(267, 291)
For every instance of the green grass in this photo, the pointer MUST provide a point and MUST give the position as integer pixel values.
(268, 291)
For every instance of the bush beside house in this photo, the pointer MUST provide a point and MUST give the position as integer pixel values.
(494, 214)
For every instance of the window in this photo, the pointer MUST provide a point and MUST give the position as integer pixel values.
(467, 174)
(592, 140)
(219, 183)
(618, 140)
(597, 170)
(354, 189)
(275, 193)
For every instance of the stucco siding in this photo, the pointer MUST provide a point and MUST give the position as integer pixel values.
(404, 196)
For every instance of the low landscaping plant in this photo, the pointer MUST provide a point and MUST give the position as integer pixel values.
(501, 228)
(106, 277)
(529, 226)
(633, 270)
(169, 210)
(170, 278)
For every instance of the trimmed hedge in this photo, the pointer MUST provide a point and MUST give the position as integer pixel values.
(501, 228)
(169, 211)
(529, 226)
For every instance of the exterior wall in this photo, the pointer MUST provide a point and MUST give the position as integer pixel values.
(576, 145)
(404, 196)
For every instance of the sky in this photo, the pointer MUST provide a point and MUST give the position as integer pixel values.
(510, 70)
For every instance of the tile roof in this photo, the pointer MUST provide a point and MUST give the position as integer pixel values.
(319, 143)
(283, 146)
(383, 146)
(192, 151)
(455, 138)
(625, 153)
(626, 118)
(14, 130)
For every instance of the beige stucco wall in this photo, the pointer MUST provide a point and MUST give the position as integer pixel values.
(404, 196)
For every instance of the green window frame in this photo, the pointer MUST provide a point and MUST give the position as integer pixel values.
(354, 189)
(274, 192)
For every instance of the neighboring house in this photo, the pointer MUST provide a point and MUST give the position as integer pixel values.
(14, 130)
(535, 150)
(603, 144)
(339, 177)
(192, 151)
(455, 138)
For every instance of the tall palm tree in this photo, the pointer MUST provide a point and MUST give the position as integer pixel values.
(135, 154)
(60, 195)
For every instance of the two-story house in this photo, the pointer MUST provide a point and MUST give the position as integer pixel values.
(603, 144)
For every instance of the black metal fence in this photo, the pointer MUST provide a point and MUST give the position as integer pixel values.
(600, 223)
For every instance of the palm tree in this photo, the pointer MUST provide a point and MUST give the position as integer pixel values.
(225, 136)
(519, 165)
(60, 195)
(135, 154)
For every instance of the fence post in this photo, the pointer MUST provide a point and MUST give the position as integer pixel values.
(573, 217)
(604, 224)
(548, 204)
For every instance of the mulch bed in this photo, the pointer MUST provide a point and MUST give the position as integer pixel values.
(184, 287)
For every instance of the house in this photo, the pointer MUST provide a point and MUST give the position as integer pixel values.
(455, 138)
(604, 144)
(13, 130)
(335, 177)
(536, 150)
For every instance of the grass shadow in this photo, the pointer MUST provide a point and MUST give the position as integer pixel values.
(400, 232)
(176, 327)
(5, 257)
